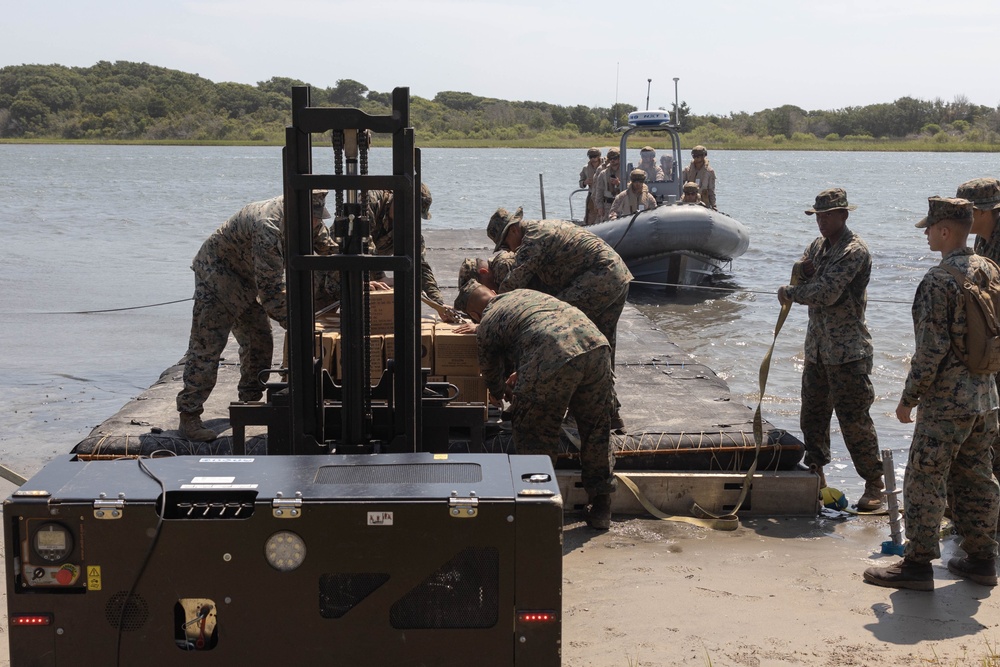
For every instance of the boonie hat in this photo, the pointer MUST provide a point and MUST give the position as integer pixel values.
(462, 300)
(830, 200)
(319, 204)
(467, 271)
(946, 208)
(984, 193)
(691, 186)
(647, 149)
(637, 175)
(594, 152)
(699, 151)
(613, 153)
(500, 223)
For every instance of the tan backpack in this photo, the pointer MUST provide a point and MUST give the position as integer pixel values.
(982, 314)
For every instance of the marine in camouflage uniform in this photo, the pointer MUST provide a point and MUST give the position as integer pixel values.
(607, 185)
(573, 265)
(239, 284)
(489, 272)
(562, 361)
(381, 223)
(984, 193)
(956, 418)
(838, 348)
(636, 197)
(698, 171)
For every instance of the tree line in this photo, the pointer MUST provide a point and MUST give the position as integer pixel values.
(128, 101)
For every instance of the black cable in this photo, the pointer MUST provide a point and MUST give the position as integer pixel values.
(111, 310)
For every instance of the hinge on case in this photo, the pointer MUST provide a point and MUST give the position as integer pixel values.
(109, 509)
(463, 508)
(287, 508)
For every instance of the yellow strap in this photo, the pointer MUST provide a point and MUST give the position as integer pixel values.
(702, 517)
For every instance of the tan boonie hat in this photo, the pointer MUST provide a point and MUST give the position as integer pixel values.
(647, 149)
(699, 151)
(637, 175)
(319, 204)
(613, 153)
(946, 208)
(691, 186)
(467, 271)
(594, 152)
(501, 264)
(500, 223)
(984, 193)
(462, 300)
(830, 200)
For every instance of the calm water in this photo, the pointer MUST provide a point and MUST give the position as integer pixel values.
(96, 227)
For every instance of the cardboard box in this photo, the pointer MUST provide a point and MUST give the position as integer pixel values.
(426, 345)
(471, 388)
(377, 359)
(382, 312)
(454, 353)
(326, 344)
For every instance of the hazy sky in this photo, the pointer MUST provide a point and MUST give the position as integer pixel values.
(730, 55)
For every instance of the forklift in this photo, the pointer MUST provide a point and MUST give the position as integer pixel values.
(360, 539)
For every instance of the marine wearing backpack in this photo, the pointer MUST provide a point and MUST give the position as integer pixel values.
(981, 299)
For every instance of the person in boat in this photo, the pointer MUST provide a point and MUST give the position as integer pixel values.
(570, 263)
(636, 197)
(956, 419)
(607, 185)
(239, 284)
(647, 163)
(667, 165)
(380, 213)
(545, 357)
(690, 195)
(833, 279)
(699, 171)
(587, 177)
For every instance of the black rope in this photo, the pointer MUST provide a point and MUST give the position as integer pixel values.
(111, 310)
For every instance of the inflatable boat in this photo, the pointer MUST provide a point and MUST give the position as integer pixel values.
(676, 243)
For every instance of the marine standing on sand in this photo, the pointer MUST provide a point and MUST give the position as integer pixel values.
(834, 273)
(239, 284)
(607, 185)
(698, 171)
(984, 193)
(636, 197)
(956, 418)
(545, 356)
(588, 176)
(380, 219)
(571, 264)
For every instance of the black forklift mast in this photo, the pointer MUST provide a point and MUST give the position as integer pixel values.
(311, 392)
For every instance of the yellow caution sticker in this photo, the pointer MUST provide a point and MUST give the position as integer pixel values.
(93, 577)
(440, 457)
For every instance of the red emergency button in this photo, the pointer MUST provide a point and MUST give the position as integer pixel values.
(66, 575)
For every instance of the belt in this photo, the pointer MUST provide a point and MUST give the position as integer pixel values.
(609, 200)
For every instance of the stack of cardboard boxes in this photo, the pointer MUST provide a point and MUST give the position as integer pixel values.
(452, 357)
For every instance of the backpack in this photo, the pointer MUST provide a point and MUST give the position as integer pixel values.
(982, 314)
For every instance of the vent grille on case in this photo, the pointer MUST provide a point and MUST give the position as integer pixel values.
(339, 593)
(463, 593)
(130, 613)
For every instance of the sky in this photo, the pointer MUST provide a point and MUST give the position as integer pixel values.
(729, 55)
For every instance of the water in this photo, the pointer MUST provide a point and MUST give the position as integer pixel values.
(98, 227)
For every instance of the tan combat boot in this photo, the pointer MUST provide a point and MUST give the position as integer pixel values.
(192, 428)
(871, 499)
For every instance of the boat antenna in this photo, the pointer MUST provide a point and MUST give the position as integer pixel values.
(649, 83)
(676, 107)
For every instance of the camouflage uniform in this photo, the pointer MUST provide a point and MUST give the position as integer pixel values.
(838, 353)
(561, 360)
(956, 424)
(575, 266)
(628, 202)
(704, 177)
(379, 210)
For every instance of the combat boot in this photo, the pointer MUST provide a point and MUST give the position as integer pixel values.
(904, 574)
(192, 428)
(871, 499)
(980, 570)
(599, 513)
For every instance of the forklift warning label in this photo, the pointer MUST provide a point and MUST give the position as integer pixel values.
(380, 518)
(93, 577)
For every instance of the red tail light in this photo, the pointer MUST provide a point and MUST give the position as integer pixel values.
(534, 617)
(27, 620)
